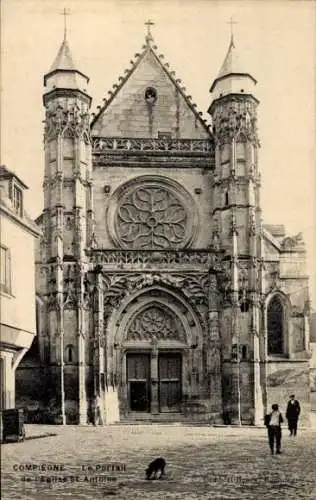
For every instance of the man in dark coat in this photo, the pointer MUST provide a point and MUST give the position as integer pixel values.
(273, 423)
(292, 413)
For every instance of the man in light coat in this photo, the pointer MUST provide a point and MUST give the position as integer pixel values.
(273, 423)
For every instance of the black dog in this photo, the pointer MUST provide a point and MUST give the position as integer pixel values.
(157, 465)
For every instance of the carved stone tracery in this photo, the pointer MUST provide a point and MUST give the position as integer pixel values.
(236, 119)
(195, 257)
(151, 217)
(68, 120)
(155, 324)
(101, 144)
(152, 212)
(193, 286)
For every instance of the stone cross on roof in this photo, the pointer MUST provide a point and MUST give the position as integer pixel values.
(232, 22)
(65, 13)
(149, 24)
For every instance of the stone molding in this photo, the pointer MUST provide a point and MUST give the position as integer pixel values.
(155, 258)
(144, 145)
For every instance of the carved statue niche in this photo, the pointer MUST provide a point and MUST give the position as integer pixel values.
(88, 294)
(252, 224)
(225, 283)
(70, 299)
(234, 227)
(243, 287)
(215, 243)
(51, 288)
(93, 242)
(213, 293)
(274, 277)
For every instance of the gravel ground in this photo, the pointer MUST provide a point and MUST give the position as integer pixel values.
(202, 463)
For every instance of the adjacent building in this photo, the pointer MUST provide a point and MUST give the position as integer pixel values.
(313, 361)
(165, 296)
(17, 292)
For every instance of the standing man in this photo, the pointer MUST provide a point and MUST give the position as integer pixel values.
(273, 423)
(292, 413)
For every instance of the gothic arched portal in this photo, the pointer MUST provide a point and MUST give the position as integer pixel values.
(151, 337)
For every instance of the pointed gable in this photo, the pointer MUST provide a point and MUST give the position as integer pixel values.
(129, 114)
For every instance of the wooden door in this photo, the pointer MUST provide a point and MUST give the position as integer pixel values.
(169, 374)
(138, 370)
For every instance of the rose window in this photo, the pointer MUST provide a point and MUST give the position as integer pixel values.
(152, 213)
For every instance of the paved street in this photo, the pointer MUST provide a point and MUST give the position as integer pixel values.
(202, 463)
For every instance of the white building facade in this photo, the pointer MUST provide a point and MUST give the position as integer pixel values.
(18, 310)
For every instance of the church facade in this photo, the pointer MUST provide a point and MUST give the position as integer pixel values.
(163, 294)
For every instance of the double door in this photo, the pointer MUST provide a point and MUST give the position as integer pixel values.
(154, 383)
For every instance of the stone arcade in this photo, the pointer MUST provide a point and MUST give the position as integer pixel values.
(163, 295)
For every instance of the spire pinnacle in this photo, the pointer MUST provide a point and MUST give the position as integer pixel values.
(64, 71)
(232, 22)
(65, 13)
(232, 71)
(149, 37)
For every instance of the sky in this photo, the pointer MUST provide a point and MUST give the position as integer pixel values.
(276, 41)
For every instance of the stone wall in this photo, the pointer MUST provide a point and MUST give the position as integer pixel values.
(284, 378)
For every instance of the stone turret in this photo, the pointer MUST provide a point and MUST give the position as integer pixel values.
(68, 228)
(237, 226)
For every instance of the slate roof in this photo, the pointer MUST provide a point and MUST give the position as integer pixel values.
(232, 65)
(64, 59)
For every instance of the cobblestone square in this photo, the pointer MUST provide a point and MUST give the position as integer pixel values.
(202, 463)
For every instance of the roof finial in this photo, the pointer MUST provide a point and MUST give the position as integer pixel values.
(65, 13)
(232, 22)
(149, 37)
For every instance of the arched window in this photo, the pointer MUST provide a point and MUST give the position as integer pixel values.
(275, 325)
(69, 354)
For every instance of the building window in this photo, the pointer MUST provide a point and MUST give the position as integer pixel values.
(151, 95)
(275, 316)
(17, 200)
(226, 199)
(70, 354)
(5, 274)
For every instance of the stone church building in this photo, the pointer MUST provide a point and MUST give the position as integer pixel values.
(163, 296)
